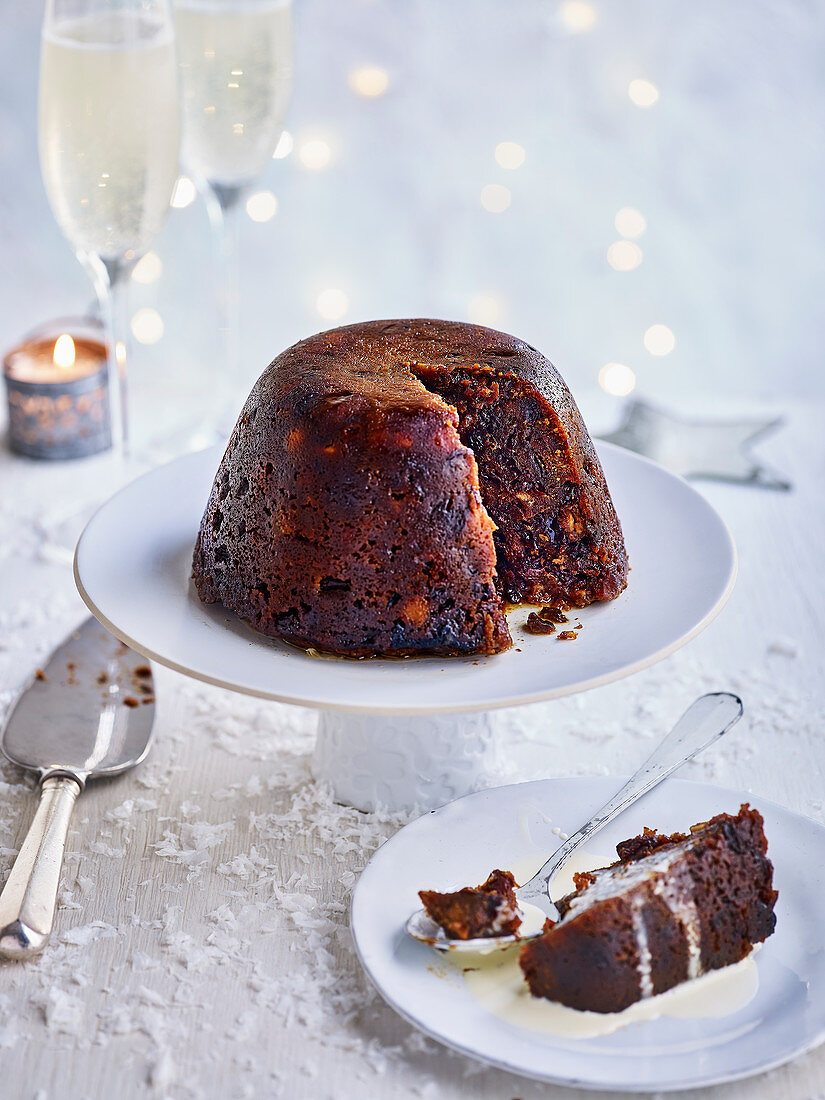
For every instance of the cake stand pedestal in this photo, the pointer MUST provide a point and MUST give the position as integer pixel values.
(402, 761)
(416, 732)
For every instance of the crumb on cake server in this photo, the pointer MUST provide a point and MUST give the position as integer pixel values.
(671, 908)
(390, 484)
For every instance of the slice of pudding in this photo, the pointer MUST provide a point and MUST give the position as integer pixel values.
(487, 910)
(670, 909)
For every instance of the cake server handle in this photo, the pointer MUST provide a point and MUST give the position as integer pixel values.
(705, 720)
(29, 896)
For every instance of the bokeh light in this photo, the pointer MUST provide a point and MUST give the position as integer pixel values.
(624, 255)
(509, 154)
(577, 16)
(659, 340)
(148, 269)
(285, 145)
(369, 80)
(332, 304)
(315, 154)
(484, 308)
(184, 193)
(630, 223)
(262, 206)
(617, 379)
(643, 93)
(147, 326)
(495, 198)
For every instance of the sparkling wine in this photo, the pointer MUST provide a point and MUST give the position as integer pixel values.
(236, 76)
(109, 128)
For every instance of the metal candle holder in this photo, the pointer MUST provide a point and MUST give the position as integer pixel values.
(58, 412)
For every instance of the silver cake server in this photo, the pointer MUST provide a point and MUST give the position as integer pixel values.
(88, 713)
(705, 720)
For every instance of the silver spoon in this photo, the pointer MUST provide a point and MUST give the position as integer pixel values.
(705, 720)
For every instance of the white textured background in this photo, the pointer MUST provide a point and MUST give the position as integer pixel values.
(727, 168)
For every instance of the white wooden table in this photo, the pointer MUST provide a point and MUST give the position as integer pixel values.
(202, 947)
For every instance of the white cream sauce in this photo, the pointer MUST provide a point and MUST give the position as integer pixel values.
(497, 983)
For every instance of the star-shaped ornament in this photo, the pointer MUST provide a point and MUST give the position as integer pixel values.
(717, 449)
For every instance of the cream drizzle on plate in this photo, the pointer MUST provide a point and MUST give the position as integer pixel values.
(497, 983)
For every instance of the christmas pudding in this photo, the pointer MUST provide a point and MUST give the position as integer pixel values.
(390, 485)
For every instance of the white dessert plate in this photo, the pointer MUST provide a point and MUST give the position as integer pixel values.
(133, 564)
(463, 841)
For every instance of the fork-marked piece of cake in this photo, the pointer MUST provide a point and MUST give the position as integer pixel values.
(671, 908)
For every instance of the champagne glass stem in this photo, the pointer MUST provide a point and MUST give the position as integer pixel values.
(223, 203)
(111, 283)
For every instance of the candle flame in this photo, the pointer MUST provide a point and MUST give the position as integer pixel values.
(64, 351)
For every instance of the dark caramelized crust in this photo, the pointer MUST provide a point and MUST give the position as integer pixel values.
(487, 910)
(664, 914)
(347, 512)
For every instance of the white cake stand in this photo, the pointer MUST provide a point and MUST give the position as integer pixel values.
(420, 731)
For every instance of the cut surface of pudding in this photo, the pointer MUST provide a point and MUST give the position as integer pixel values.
(671, 908)
(483, 911)
(389, 485)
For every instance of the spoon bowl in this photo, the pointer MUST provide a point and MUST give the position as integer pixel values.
(423, 928)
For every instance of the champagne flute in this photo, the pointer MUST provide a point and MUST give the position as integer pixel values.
(109, 142)
(235, 60)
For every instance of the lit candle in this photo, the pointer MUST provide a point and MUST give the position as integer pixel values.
(57, 388)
